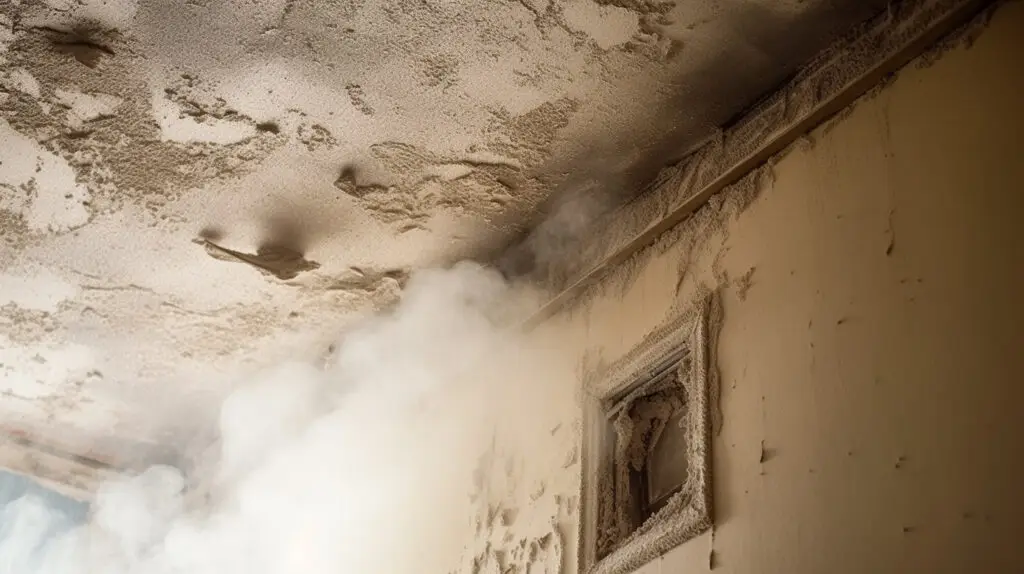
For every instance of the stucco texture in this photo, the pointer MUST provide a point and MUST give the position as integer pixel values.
(192, 190)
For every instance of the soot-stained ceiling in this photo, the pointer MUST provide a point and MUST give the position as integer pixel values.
(189, 189)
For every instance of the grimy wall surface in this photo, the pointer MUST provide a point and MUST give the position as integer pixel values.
(872, 282)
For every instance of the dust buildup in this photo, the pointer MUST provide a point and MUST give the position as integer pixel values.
(642, 6)
(316, 137)
(831, 71)
(120, 157)
(362, 466)
(638, 426)
(421, 183)
(531, 134)
(651, 417)
(358, 98)
(626, 539)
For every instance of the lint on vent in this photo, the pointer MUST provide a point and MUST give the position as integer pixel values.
(646, 456)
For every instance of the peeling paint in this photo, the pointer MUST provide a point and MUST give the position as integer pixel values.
(39, 185)
(35, 289)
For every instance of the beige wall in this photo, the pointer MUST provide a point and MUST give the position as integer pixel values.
(879, 349)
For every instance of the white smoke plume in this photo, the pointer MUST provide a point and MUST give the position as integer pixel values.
(364, 466)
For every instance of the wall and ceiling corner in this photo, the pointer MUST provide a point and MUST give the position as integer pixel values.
(825, 87)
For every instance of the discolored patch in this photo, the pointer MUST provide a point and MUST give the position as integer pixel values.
(86, 42)
(277, 260)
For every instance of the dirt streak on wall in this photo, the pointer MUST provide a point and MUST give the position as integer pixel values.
(869, 354)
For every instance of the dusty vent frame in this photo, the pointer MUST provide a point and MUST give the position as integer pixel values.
(682, 348)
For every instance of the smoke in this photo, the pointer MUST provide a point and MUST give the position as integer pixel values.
(550, 251)
(364, 466)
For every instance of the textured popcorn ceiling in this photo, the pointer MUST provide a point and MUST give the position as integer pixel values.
(192, 188)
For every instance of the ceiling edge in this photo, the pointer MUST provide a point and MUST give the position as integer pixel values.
(832, 82)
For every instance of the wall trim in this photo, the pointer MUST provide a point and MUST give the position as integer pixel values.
(832, 82)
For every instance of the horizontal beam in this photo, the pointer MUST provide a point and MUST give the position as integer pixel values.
(885, 38)
(57, 468)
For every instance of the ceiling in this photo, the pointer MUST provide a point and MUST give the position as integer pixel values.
(190, 189)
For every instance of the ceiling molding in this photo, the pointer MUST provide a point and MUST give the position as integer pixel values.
(833, 81)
